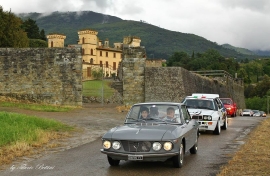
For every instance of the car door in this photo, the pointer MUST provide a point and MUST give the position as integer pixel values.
(191, 127)
(221, 111)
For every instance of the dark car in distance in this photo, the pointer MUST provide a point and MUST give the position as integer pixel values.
(155, 131)
(230, 106)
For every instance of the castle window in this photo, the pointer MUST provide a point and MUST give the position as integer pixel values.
(91, 51)
(52, 44)
(83, 51)
(100, 53)
(91, 61)
(106, 54)
(114, 65)
(107, 64)
(83, 40)
(114, 55)
(88, 71)
(100, 63)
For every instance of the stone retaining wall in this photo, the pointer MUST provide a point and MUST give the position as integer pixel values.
(42, 75)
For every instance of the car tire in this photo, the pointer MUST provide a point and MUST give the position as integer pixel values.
(113, 162)
(194, 148)
(225, 125)
(217, 129)
(178, 160)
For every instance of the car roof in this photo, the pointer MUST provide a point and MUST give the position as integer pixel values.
(159, 103)
(198, 98)
(205, 95)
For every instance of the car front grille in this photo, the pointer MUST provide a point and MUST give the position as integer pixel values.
(197, 117)
(137, 146)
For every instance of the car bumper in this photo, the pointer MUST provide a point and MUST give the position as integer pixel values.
(207, 125)
(146, 157)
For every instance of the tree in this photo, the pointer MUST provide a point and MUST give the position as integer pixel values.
(11, 32)
(97, 74)
(31, 28)
(178, 59)
(42, 35)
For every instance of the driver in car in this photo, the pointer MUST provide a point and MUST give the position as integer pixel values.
(144, 113)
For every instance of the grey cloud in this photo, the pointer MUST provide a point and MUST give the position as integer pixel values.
(253, 5)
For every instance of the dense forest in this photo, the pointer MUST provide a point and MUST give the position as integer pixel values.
(189, 51)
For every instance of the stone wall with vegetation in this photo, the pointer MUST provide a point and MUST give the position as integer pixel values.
(175, 83)
(42, 75)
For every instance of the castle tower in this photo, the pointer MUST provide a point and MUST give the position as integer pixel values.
(89, 41)
(132, 41)
(56, 40)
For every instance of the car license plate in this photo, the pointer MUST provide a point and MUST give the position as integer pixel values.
(135, 157)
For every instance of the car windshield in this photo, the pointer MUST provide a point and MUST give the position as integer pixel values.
(255, 111)
(246, 110)
(199, 104)
(154, 113)
(226, 101)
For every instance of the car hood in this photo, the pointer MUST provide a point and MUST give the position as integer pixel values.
(141, 131)
(200, 111)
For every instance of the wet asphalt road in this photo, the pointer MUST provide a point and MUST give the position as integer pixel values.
(213, 152)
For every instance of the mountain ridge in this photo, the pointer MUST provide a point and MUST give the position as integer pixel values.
(159, 42)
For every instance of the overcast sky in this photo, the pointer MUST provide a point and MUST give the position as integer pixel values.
(241, 23)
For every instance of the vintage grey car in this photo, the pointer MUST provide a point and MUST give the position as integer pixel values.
(154, 131)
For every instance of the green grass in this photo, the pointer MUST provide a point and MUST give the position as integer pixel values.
(36, 107)
(94, 88)
(23, 128)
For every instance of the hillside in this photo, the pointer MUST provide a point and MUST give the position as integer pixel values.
(159, 42)
(240, 50)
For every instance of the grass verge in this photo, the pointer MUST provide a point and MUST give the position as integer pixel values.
(253, 158)
(19, 134)
(94, 88)
(11, 102)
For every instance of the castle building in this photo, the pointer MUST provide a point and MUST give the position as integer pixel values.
(97, 55)
(56, 40)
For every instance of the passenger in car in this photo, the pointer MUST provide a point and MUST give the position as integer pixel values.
(144, 112)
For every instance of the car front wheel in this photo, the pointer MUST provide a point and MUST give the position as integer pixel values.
(113, 162)
(179, 159)
(217, 129)
(225, 125)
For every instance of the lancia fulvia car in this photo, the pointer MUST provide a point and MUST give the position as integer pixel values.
(156, 131)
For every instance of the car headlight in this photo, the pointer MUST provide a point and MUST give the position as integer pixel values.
(156, 146)
(167, 146)
(207, 117)
(106, 144)
(116, 145)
